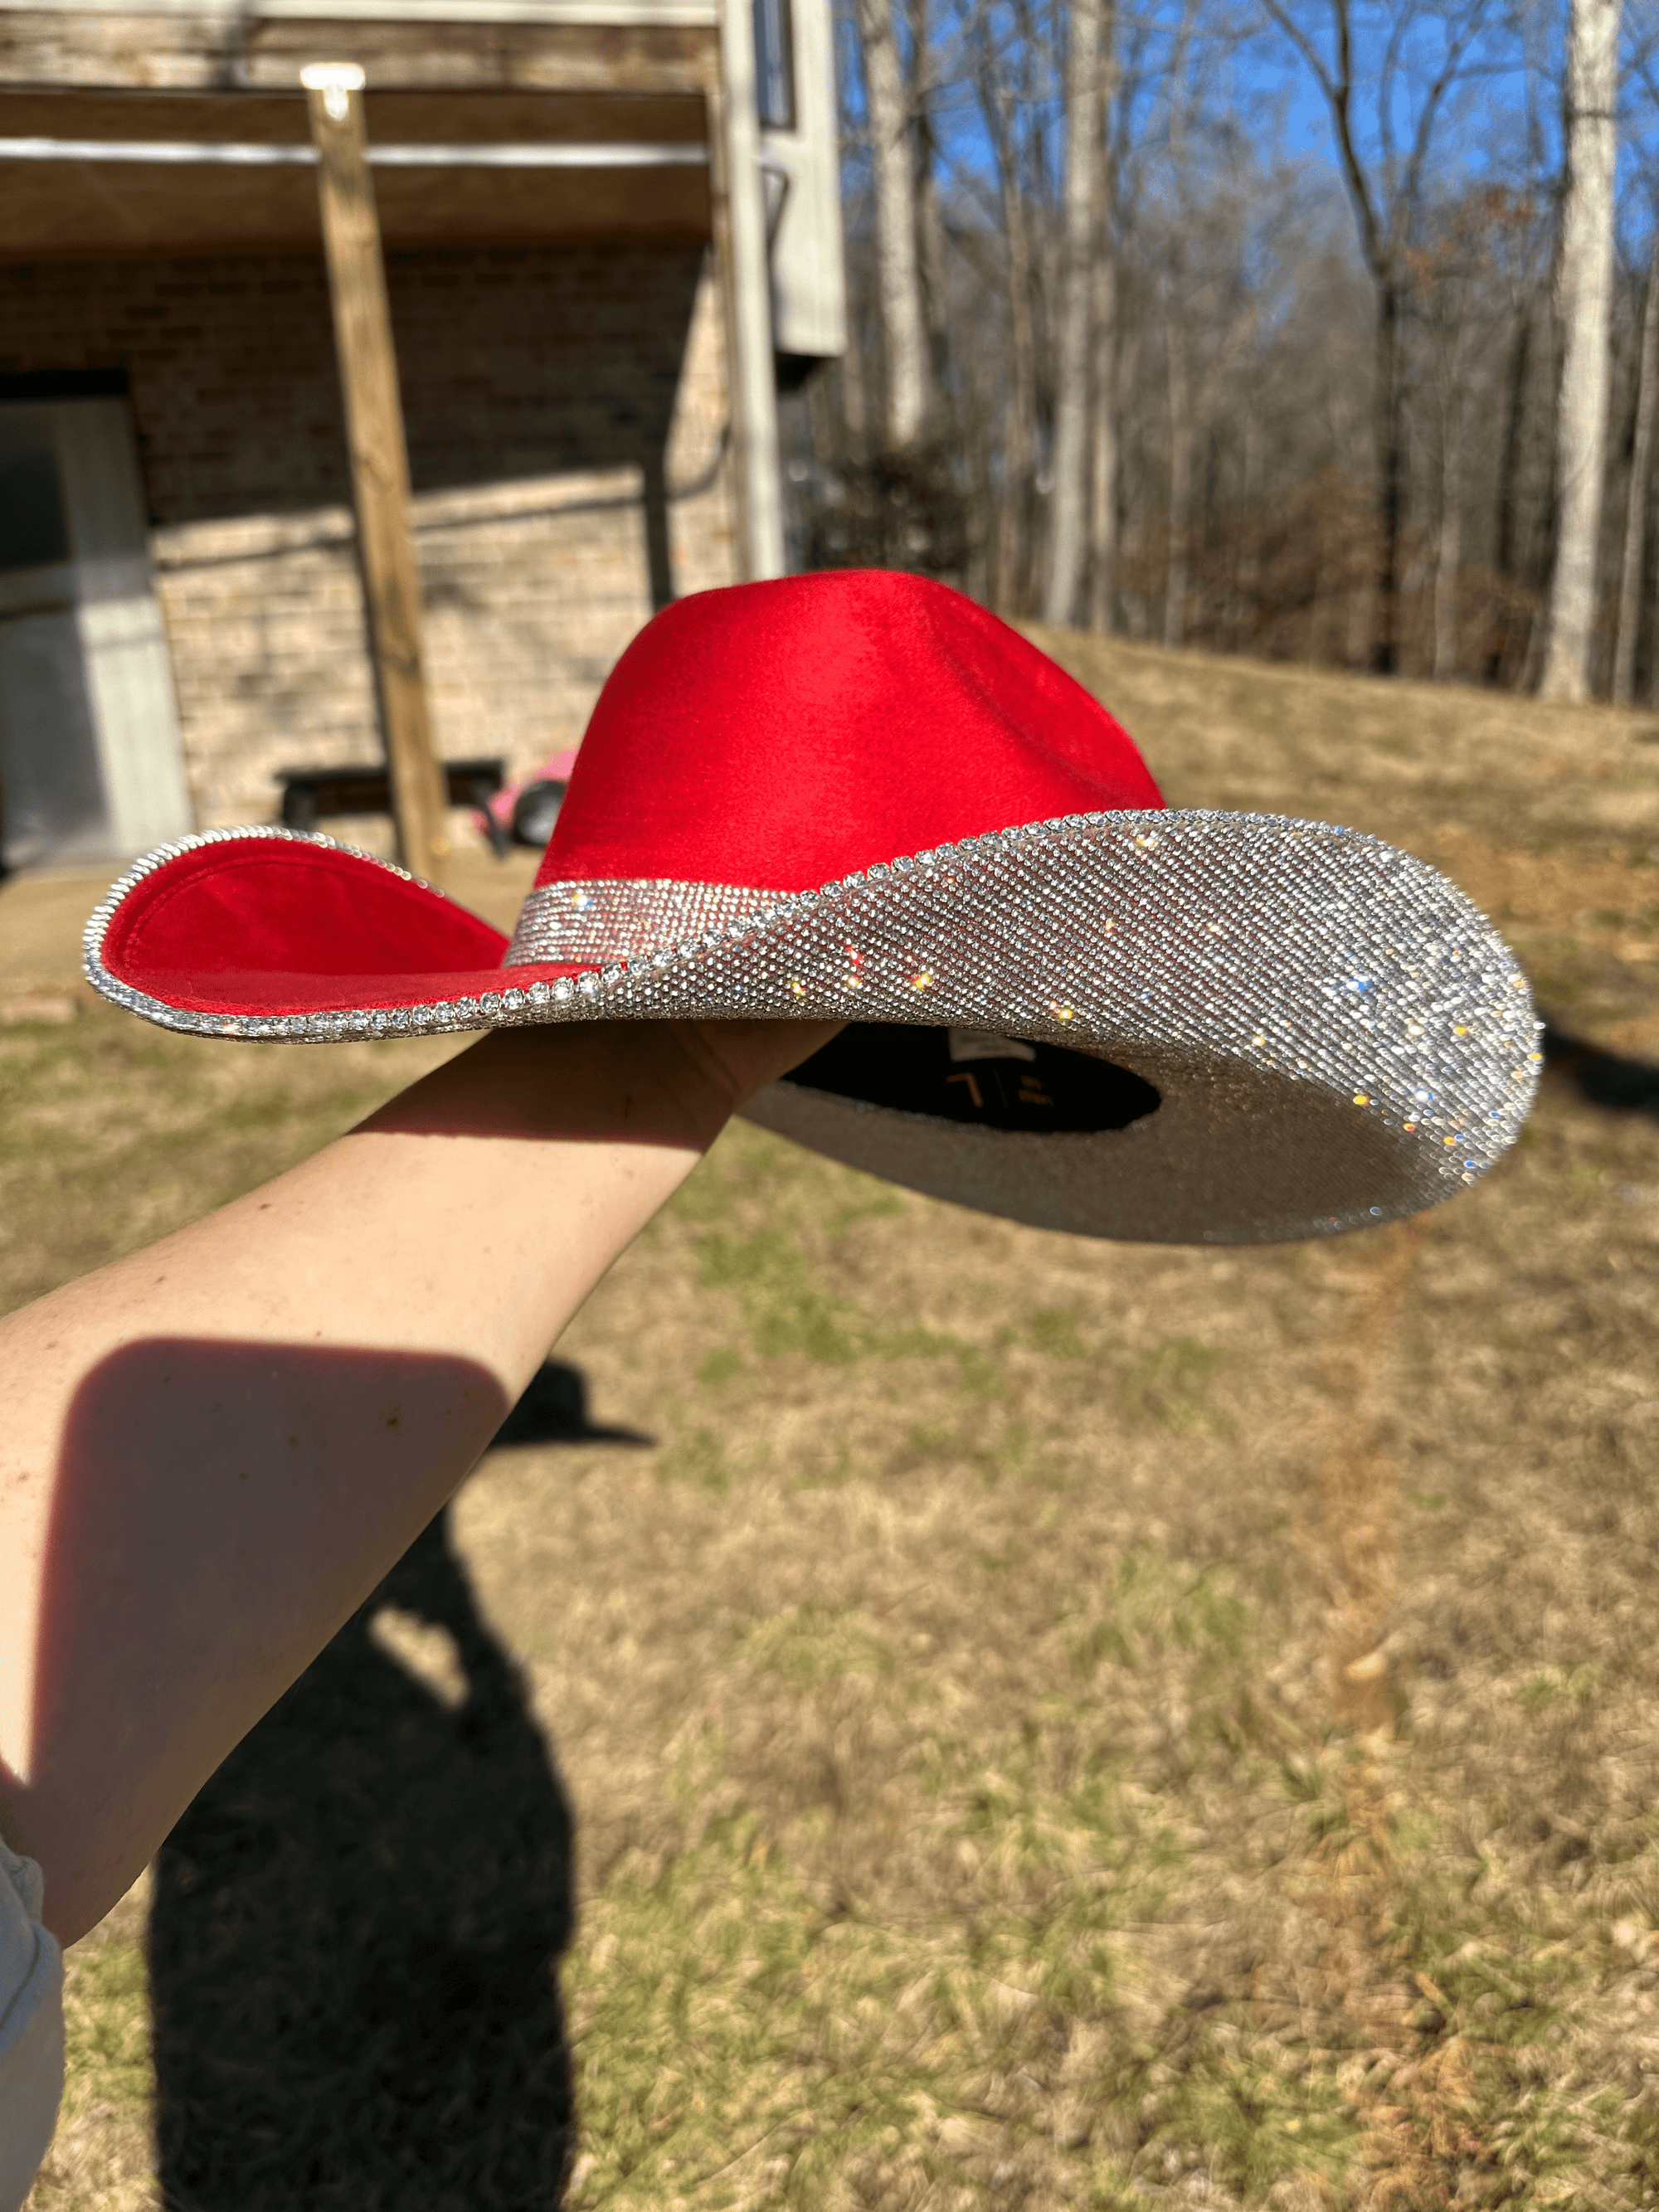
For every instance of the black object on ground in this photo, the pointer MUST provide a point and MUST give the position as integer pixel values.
(536, 811)
(310, 793)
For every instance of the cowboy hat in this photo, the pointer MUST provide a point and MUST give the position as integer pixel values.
(861, 796)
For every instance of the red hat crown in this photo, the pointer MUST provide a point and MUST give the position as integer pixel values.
(781, 734)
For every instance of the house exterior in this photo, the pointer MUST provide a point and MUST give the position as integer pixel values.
(603, 221)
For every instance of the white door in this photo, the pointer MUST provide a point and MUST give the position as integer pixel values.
(90, 764)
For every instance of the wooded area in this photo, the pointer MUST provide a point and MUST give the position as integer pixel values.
(1123, 356)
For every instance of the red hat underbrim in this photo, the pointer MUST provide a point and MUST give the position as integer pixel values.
(259, 926)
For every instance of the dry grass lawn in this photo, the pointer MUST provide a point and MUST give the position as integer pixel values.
(1053, 1724)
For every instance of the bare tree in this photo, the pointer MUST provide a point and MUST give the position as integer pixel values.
(999, 101)
(1102, 444)
(1103, 355)
(930, 229)
(1520, 412)
(1448, 539)
(1386, 198)
(1583, 291)
(1089, 43)
(1179, 380)
(1463, 310)
(1636, 498)
(898, 277)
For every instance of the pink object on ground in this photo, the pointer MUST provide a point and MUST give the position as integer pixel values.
(503, 807)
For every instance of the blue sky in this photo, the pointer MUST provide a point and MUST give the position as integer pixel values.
(1502, 123)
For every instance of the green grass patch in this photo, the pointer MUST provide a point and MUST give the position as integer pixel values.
(787, 1310)
(1558, 1685)
(699, 1458)
(1158, 1605)
(107, 2022)
(1056, 1334)
(811, 1643)
(720, 1367)
(113, 1133)
(1170, 1385)
(722, 2022)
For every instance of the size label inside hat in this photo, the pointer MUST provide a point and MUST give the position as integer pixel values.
(986, 1044)
(1011, 1086)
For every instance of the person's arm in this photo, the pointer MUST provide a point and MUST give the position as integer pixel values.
(213, 1450)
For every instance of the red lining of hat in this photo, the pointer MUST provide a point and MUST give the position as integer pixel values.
(779, 734)
(276, 926)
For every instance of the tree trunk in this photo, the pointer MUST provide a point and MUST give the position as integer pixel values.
(1010, 539)
(1583, 302)
(1019, 433)
(1068, 507)
(854, 396)
(1538, 519)
(1636, 501)
(1181, 474)
(1105, 353)
(1509, 478)
(1130, 607)
(1247, 570)
(898, 281)
(930, 229)
(1390, 432)
(1103, 459)
(1448, 553)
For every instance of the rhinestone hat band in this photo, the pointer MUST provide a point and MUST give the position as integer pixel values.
(623, 919)
(1339, 1037)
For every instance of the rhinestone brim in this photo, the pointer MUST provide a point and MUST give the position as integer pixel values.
(1243, 962)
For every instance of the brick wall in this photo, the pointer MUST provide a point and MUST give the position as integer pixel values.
(565, 408)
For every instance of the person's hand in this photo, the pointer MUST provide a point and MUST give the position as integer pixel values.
(674, 1083)
(740, 1058)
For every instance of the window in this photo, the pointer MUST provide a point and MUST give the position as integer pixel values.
(775, 64)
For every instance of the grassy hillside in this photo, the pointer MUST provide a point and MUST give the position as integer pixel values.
(1547, 816)
(1047, 1724)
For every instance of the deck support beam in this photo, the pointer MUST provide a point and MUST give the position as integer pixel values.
(379, 461)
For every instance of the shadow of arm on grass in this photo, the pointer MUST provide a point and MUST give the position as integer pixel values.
(356, 1927)
(355, 1932)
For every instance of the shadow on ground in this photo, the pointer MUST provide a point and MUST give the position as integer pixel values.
(1601, 1077)
(356, 1927)
(554, 1411)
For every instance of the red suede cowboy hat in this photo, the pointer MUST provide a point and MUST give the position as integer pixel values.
(861, 795)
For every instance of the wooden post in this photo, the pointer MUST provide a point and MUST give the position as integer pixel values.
(740, 250)
(379, 459)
